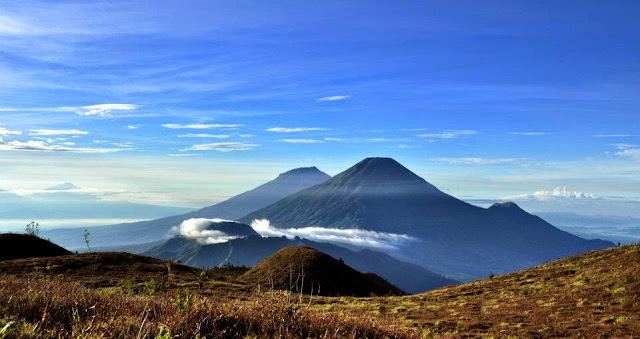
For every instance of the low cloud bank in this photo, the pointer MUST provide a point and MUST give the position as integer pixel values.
(199, 229)
(354, 237)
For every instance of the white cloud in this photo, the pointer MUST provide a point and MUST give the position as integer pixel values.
(615, 135)
(294, 130)
(183, 154)
(103, 109)
(200, 126)
(57, 132)
(201, 135)
(222, 147)
(479, 161)
(528, 133)
(334, 98)
(38, 145)
(448, 134)
(334, 139)
(132, 126)
(354, 237)
(558, 192)
(6, 132)
(302, 141)
(198, 229)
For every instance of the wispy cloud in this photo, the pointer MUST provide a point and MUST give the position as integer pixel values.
(200, 126)
(354, 237)
(334, 139)
(302, 141)
(294, 130)
(222, 147)
(334, 98)
(627, 150)
(105, 109)
(57, 132)
(6, 132)
(615, 135)
(528, 133)
(132, 126)
(204, 135)
(448, 134)
(39, 145)
(480, 161)
(181, 155)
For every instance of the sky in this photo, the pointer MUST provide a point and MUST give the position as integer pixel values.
(189, 103)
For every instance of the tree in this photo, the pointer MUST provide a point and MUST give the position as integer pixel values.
(32, 228)
(86, 235)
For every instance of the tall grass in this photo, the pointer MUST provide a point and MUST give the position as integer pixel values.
(39, 308)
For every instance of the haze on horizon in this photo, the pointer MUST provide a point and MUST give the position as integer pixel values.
(158, 103)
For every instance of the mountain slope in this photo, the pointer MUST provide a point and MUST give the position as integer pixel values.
(252, 250)
(307, 270)
(153, 230)
(592, 295)
(458, 238)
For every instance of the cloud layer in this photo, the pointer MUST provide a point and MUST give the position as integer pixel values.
(353, 237)
(294, 130)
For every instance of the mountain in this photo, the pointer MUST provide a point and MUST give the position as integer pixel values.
(153, 230)
(252, 250)
(19, 246)
(465, 241)
(307, 270)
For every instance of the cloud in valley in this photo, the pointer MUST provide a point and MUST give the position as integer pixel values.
(199, 229)
(353, 237)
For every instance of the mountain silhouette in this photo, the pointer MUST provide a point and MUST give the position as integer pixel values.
(456, 238)
(156, 230)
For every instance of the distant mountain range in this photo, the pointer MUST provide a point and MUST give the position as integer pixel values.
(462, 240)
(155, 230)
(66, 201)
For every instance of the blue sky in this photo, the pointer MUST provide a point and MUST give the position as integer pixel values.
(187, 104)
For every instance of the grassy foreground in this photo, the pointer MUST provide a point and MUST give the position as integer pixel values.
(596, 294)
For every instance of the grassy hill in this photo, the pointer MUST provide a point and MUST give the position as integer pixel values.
(596, 294)
(307, 270)
(16, 246)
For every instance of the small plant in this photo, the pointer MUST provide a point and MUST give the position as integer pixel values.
(32, 228)
(86, 236)
(491, 275)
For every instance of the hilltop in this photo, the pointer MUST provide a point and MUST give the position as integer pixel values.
(307, 270)
(17, 246)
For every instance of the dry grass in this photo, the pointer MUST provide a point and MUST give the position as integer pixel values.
(594, 295)
(52, 309)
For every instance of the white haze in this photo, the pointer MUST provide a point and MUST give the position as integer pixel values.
(198, 229)
(353, 237)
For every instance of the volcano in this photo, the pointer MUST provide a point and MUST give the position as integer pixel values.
(456, 238)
